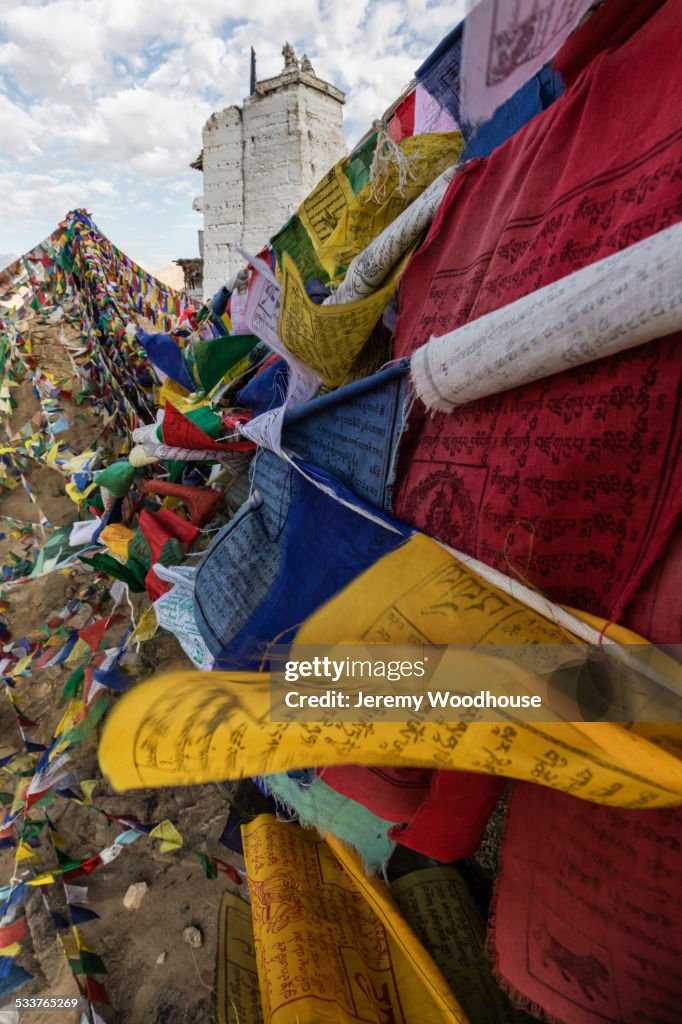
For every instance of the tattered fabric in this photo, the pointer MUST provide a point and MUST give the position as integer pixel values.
(317, 804)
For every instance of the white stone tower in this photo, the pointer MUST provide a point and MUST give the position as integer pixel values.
(261, 159)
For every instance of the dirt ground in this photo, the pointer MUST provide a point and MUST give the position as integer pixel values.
(153, 976)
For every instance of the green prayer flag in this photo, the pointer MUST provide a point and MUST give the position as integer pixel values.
(295, 240)
(73, 683)
(209, 867)
(359, 164)
(140, 552)
(87, 963)
(117, 478)
(109, 565)
(172, 552)
(84, 728)
(176, 467)
(205, 419)
(212, 358)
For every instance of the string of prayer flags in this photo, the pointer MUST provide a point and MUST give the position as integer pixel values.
(467, 329)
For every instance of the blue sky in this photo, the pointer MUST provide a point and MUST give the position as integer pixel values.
(102, 101)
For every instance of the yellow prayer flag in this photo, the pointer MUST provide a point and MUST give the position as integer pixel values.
(188, 728)
(52, 453)
(363, 218)
(172, 392)
(331, 948)
(25, 852)
(72, 710)
(167, 832)
(439, 907)
(80, 941)
(329, 339)
(78, 497)
(76, 462)
(21, 665)
(88, 787)
(79, 649)
(320, 210)
(146, 627)
(19, 798)
(58, 839)
(117, 538)
(237, 994)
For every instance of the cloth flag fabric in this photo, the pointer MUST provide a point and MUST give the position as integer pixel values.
(551, 481)
(607, 307)
(444, 814)
(538, 93)
(289, 548)
(585, 910)
(189, 728)
(353, 432)
(438, 907)
(329, 339)
(396, 793)
(330, 948)
(237, 989)
(504, 44)
(213, 358)
(317, 804)
(439, 74)
(366, 215)
(165, 353)
(184, 729)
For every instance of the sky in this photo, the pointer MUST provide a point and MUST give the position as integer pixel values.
(102, 102)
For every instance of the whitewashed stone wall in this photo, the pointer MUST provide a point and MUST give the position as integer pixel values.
(260, 161)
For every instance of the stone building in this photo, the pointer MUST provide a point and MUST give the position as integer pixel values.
(261, 159)
(193, 271)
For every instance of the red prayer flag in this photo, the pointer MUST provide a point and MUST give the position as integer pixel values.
(96, 991)
(587, 909)
(13, 932)
(401, 125)
(160, 527)
(155, 586)
(180, 432)
(568, 483)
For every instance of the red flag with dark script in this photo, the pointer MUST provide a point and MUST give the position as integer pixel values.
(568, 483)
(587, 910)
